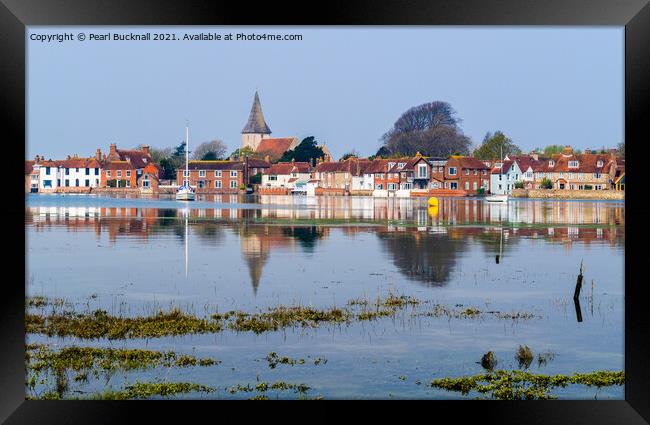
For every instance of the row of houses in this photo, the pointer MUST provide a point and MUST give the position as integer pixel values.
(127, 169)
(456, 175)
(403, 177)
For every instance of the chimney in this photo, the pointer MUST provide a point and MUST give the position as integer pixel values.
(67, 157)
(145, 149)
(113, 150)
(98, 154)
(535, 156)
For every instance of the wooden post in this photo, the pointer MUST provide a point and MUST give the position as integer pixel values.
(576, 293)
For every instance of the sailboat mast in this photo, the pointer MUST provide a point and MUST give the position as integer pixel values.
(187, 152)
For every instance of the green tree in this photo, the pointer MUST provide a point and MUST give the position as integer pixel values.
(306, 151)
(431, 129)
(351, 154)
(241, 153)
(546, 183)
(553, 149)
(494, 144)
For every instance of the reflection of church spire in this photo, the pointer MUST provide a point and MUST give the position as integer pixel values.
(255, 252)
(256, 263)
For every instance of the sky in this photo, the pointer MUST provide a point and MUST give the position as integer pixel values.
(344, 85)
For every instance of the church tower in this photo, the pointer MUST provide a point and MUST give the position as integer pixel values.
(255, 129)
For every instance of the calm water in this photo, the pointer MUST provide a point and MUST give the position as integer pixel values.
(133, 256)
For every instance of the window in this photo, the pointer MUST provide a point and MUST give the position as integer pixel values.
(434, 185)
(233, 173)
(47, 183)
(145, 183)
(475, 185)
(452, 171)
(441, 169)
(128, 183)
(76, 182)
(96, 171)
(67, 182)
(217, 173)
(47, 171)
(551, 163)
(573, 164)
(108, 173)
(96, 182)
(467, 171)
(401, 165)
(119, 173)
(599, 163)
(381, 176)
(128, 173)
(233, 183)
(217, 184)
(391, 186)
(87, 183)
(273, 178)
(466, 185)
(201, 184)
(58, 182)
(87, 171)
(422, 171)
(453, 185)
(596, 175)
(67, 171)
(186, 173)
(407, 186)
(201, 173)
(379, 187)
(476, 172)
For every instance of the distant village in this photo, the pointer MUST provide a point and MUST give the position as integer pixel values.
(263, 171)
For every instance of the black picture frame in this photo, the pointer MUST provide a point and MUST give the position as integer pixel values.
(15, 15)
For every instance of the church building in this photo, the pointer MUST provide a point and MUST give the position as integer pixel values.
(256, 135)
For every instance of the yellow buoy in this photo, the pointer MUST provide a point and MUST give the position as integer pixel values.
(433, 201)
(433, 211)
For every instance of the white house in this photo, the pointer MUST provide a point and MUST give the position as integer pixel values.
(504, 176)
(286, 175)
(70, 173)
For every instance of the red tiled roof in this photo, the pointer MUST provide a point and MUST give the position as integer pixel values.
(502, 170)
(138, 158)
(29, 166)
(275, 147)
(469, 162)
(214, 165)
(73, 163)
(119, 165)
(257, 163)
(288, 168)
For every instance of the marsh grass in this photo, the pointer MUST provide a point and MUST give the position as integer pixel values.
(524, 356)
(54, 367)
(144, 390)
(274, 360)
(521, 385)
(100, 324)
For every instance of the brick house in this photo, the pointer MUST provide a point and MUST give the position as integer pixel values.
(569, 171)
(213, 176)
(466, 174)
(125, 168)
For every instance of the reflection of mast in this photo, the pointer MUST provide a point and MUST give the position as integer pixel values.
(500, 243)
(186, 214)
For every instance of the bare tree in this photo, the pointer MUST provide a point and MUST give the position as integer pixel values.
(431, 129)
(214, 149)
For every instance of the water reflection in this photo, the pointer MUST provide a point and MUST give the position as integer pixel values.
(422, 243)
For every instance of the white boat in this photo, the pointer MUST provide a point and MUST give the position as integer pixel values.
(497, 198)
(185, 192)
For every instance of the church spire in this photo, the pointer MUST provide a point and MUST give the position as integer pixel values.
(256, 123)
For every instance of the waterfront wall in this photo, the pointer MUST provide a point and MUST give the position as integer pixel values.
(568, 194)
